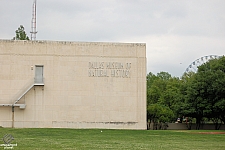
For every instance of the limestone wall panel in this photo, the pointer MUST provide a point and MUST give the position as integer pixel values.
(70, 96)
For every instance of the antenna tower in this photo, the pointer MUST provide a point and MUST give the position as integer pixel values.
(33, 22)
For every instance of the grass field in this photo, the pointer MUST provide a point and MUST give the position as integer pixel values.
(114, 139)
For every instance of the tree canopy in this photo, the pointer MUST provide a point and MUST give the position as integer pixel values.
(21, 34)
(199, 95)
(206, 92)
(160, 96)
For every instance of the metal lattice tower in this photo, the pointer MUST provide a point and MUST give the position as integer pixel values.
(33, 22)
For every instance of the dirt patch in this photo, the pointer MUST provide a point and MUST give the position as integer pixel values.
(210, 132)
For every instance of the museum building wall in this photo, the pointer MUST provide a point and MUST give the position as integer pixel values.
(49, 84)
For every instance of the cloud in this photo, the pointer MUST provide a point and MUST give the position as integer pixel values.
(176, 32)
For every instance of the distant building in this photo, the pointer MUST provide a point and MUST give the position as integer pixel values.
(46, 84)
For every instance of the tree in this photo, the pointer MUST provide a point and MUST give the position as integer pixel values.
(161, 98)
(156, 85)
(172, 97)
(198, 95)
(206, 93)
(164, 75)
(21, 34)
(159, 114)
(214, 74)
(195, 103)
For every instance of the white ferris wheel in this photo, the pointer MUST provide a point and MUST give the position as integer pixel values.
(193, 67)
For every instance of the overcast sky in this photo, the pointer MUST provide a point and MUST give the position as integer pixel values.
(176, 32)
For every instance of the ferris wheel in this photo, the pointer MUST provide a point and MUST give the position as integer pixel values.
(193, 67)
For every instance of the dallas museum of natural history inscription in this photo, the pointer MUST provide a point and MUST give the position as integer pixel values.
(109, 69)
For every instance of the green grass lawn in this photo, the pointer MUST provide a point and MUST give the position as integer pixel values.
(113, 139)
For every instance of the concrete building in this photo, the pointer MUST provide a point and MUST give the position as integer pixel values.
(45, 84)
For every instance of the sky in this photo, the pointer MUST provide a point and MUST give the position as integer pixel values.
(176, 32)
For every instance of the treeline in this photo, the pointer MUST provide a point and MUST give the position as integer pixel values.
(195, 97)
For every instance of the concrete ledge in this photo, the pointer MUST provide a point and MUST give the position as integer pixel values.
(6, 105)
